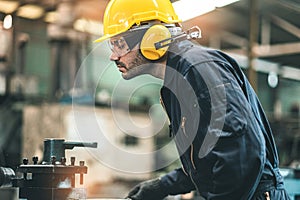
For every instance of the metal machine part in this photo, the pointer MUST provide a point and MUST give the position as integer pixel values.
(52, 178)
(6, 175)
(57, 147)
(48, 181)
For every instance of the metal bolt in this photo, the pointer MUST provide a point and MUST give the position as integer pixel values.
(81, 163)
(53, 160)
(25, 161)
(63, 161)
(35, 159)
(72, 161)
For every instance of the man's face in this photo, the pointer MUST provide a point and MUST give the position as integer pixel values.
(129, 62)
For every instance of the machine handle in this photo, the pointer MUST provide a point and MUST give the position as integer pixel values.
(71, 145)
(56, 147)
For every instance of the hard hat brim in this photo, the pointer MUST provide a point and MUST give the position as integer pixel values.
(104, 37)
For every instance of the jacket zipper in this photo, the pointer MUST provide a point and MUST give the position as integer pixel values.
(192, 157)
(183, 169)
(183, 125)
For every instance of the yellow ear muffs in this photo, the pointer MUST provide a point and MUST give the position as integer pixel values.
(154, 34)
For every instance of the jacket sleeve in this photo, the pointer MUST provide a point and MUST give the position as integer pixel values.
(177, 182)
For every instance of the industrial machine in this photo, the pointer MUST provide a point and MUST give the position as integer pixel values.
(53, 178)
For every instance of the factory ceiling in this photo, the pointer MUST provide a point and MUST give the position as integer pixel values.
(227, 28)
(278, 30)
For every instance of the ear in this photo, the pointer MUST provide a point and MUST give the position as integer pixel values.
(154, 34)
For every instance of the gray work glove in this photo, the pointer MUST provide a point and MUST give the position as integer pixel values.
(148, 190)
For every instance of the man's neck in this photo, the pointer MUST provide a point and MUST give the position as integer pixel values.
(158, 70)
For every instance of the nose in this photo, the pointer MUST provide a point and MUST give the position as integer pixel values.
(114, 57)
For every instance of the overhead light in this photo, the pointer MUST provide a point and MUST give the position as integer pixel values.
(188, 9)
(30, 11)
(222, 3)
(51, 17)
(7, 22)
(272, 79)
(8, 6)
(88, 26)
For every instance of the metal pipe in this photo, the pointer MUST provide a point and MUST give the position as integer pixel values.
(253, 32)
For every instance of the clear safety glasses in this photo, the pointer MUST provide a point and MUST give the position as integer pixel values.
(124, 43)
(119, 46)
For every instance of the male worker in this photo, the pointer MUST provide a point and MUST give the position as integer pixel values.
(221, 132)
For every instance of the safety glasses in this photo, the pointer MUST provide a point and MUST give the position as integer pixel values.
(119, 46)
(124, 43)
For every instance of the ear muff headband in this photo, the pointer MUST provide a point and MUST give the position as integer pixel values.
(153, 35)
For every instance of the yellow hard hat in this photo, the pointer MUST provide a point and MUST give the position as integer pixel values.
(121, 15)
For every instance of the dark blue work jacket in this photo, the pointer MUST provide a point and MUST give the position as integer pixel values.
(223, 137)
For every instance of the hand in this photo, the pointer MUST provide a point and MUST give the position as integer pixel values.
(148, 190)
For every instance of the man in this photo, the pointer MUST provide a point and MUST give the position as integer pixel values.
(222, 135)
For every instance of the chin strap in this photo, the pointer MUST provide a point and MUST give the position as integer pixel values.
(192, 33)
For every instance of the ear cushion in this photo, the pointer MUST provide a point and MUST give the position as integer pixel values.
(154, 34)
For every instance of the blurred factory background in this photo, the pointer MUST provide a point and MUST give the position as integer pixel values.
(55, 82)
